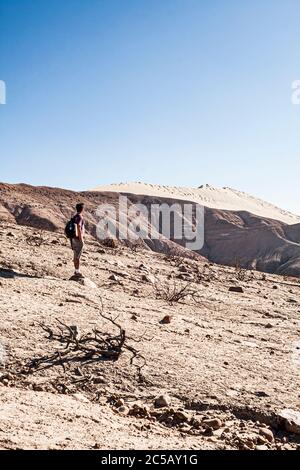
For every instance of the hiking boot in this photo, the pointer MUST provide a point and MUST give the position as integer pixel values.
(79, 275)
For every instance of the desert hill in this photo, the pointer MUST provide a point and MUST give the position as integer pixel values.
(231, 237)
(208, 196)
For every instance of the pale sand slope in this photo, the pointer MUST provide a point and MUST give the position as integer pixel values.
(209, 196)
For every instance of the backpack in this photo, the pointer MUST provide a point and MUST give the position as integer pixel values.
(70, 230)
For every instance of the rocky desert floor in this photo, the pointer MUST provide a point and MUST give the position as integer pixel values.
(209, 355)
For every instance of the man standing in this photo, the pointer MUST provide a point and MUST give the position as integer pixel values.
(77, 242)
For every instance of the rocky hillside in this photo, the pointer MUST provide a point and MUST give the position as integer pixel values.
(150, 351)
(231, 237)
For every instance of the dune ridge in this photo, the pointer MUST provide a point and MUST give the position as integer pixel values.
(210, 196)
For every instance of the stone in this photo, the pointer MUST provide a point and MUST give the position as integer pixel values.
(123, 410)
(181, 416)
(185, 276)
(166, 320)
(290, 419)
(139, 411)
(184, 427)
(113, 278)
(148, 278)
(110, 243)
(267, 433)
(162, 401)
(143, 267)
(99, 380)
(261, 440)
(261, 447)
(120, 402)
(214, 423)
(183, 269)
(196, 423)
(237, 289)
(249, 441)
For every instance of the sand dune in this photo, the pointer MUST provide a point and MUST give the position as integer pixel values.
(209, 196)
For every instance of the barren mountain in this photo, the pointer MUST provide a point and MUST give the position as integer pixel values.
(231, 237)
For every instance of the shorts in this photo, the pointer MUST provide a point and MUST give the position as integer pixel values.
(77, 247)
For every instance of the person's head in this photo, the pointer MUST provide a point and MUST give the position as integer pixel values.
(79, 207)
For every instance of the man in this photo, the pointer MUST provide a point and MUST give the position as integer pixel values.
(77, 242)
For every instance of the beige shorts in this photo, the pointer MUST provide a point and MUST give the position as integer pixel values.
(77, 247)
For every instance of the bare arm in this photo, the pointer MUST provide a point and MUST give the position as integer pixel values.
(79, 233)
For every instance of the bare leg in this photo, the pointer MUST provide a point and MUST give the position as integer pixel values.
(76, 263)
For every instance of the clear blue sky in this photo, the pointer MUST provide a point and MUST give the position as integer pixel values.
(179, 92)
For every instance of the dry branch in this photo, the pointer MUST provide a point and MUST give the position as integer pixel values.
(92, 346)
(176, 292)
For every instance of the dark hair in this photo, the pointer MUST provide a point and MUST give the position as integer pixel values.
(80, 207)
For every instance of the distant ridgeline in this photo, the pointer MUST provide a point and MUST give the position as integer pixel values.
(231, 237)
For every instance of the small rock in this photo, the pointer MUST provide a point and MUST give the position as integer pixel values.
(166, 320)
(291, 420)
(261, 394)
(143, 267)
(139, 411)
(120, 402)
(114, 278)
(162, 401)
(110, 243)
(196, 423)
(238, 289)
(99, 380)
(214, 423)
(148, 278)
(181, 416)
(123, 409)
(208, 431)
(184, 427)
(183, 269)
(261, 447)
(261, 440)
(185, 276)
(267, 433)
(249, 441)
(38, 388)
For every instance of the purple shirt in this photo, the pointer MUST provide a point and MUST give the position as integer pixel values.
(78, 220)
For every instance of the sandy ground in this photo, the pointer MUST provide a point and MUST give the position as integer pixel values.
(208, 196)
(225, 356)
